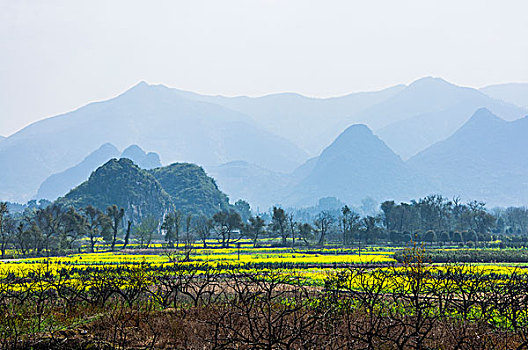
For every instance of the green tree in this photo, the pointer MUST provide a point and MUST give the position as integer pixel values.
(244, 209)
(323, 223)
(444, 236)
(116, 216)
(71, 228)
(47, 221)
(279, 223)
(188, 231)
(171, 226)
(146, 230)
(127, 234)
(225, 223)
(97, 224)
(292, 225)
(349, 223)
(202, 227)
(457, 237)
(387, 208)
(6, 228)
(306, 233)
(429, 236)
(369, 230)
(255, 228)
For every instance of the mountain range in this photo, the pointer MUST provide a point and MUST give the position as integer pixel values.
(153, 117)
(356, 165)
(485, 159)
(407, 118)
(515, 93)
(281, 148)
(428, 111)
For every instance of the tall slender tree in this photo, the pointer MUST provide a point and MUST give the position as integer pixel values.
(116, 216)
(97, 224)
(279, 223)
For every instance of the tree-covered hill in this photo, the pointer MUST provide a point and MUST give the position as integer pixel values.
(190, 189)
(124, 184)
(143, 193)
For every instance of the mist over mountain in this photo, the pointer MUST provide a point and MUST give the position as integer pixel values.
(516, 93)
(357, 165)
(427, 111)
(408, 118)
(311, 123)
(141, 158)
(259, 186)
(485, 159)
(152, 116)
(59, 184)
(241, 140)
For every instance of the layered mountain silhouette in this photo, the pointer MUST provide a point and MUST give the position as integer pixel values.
(235, 139)
(141, 158)
(259, 186)
(427, 111)
(311, 123)
(356, 165)
(142, 192)
(156, 118)
(59, 184)
(407, 118)
(486, 159)
(516, 93)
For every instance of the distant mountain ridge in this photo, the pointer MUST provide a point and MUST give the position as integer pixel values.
(216, 132)
(357, 165)
(427, 111)
(261, 187)
(155, 117)
(516, 93)
(485, 159)
(59, 184)
(407, 118)
(311, 123)
(141, 158)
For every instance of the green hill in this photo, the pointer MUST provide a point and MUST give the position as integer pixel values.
(190, 189)
(143, 193)
(124, 184)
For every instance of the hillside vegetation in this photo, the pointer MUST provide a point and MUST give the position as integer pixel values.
(143, 193)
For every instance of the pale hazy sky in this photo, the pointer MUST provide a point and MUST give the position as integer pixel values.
(59, 55)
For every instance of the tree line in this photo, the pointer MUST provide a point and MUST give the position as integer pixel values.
(52, 229)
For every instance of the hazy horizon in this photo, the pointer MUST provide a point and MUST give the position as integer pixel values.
(60, 55)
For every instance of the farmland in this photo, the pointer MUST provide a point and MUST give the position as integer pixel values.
(267, 297)
(431, 274)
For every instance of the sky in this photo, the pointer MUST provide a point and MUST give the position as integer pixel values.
(56, 56)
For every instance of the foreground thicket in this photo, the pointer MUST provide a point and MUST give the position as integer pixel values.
(409, 306)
